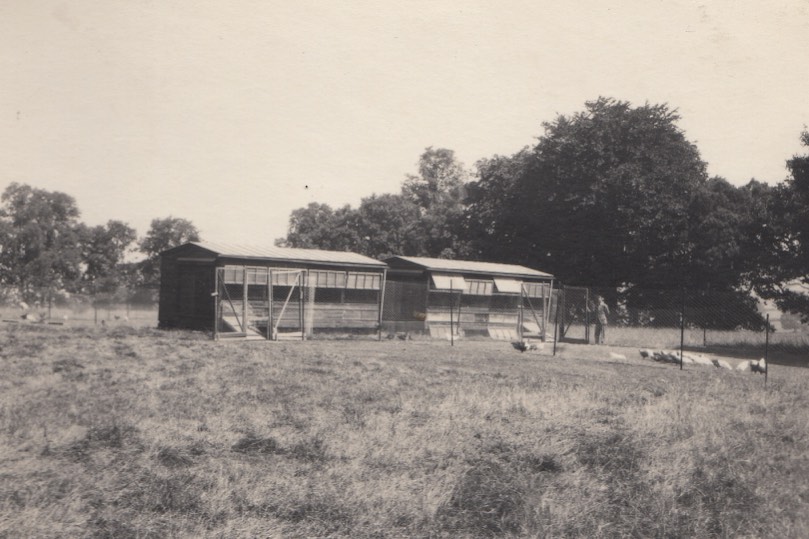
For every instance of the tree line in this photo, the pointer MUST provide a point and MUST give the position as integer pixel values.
(614, 196)
(47, 253)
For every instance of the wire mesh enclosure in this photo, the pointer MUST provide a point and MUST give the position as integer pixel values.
(475, 308)
(727, 320)
(295, 303)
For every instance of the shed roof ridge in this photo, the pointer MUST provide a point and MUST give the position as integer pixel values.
(241, 250)
(445, 264)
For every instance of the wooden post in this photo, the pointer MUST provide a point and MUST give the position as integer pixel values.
(556, 316)
(301, 304)
(767, 349)
(216, 302)
(309, 312)
(519, 315)
(270, 332)
(682, 328)
(561, 301)
(544, 313)
(451, 328)
(382, 300)
(244, 300)
(587, 315)
(427, 305)
(460, 295)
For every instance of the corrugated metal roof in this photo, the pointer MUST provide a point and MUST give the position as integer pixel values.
(286, 253)
(466, 266)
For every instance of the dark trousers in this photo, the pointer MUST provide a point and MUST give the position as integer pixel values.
(601, 333)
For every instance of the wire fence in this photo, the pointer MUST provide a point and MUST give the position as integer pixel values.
(731, 322)
(697, 320)
(138, 309)
(673, 321)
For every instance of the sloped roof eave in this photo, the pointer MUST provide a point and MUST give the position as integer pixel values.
(298, 256)
(470, 267)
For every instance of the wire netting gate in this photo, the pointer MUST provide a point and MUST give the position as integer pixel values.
(447, 313)
(289, 303)
(260, 303)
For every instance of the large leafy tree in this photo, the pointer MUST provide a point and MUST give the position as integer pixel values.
(602, 199)
(617, 197)
(318, 226)
(426, 218)
(724, 223)
(389, 225)
(439, 191)
(163, 234)
(39, 240)
(784, 273)
(103, 250)
(495, 233)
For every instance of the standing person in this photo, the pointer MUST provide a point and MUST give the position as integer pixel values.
(602, 311)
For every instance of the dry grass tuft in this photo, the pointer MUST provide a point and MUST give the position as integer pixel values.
(487, 500)
(254, 444)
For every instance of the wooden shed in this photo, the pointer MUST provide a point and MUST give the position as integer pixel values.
(269, 292)
(458, 297)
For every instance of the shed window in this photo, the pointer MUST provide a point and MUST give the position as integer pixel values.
(327, 279)
(363, 281)
(536, 290)
(508, 286)
(257, 276)
(233, 275)
(448, 282)
(285, 276)
(479, 287)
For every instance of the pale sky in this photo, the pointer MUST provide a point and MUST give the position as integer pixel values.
(234, 113)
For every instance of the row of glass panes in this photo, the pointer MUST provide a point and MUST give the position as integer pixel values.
(479, 287)
(291, 277)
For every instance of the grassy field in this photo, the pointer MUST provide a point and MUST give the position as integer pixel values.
(123, 433)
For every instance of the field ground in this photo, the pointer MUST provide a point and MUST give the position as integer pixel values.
(121, 432)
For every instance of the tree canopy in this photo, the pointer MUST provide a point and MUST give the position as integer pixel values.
(45, 249)
(103, 250)
(784, 269)
(163, 234)
(424, 219)
(602, 199)
(39, 239)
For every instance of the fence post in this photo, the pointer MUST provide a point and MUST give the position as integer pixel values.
(519, 315)
(556, 317)
(459, 311)
(382, 301)
(767, 350)
(587, 315)
(451, 321)
(682, 328)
